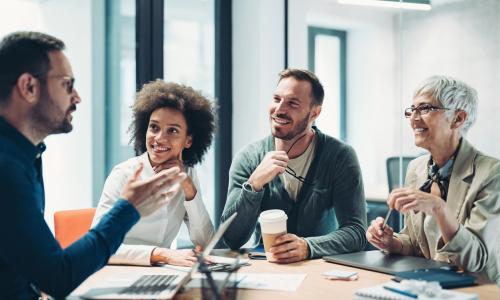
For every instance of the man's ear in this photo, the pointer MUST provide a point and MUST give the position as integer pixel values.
(459, 119)
(28, 87)
(315, 111)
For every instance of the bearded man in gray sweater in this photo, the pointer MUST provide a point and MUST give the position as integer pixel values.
(314, 178)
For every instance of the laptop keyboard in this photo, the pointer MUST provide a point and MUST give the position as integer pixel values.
(150, 285)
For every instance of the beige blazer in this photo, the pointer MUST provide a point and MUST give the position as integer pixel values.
(474, 197)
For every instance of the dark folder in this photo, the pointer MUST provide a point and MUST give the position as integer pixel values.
(447, 279)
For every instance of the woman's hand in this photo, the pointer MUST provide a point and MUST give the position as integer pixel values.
(181, 257)
(169, 164)
(187, 185)
(382, 238)
(410, 199)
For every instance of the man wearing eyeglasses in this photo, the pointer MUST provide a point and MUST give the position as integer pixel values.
(311, 176)
(37, 99)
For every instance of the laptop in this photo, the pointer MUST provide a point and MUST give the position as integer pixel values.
(152, 286)
(378, 261)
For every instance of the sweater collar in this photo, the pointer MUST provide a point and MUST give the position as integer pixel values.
(24, 146)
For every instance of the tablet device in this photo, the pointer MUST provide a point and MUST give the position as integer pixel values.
(378, 261)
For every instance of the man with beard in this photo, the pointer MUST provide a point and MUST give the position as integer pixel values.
(37, 98)
(314, 178)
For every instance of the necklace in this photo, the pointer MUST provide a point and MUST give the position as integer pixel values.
(295, 142)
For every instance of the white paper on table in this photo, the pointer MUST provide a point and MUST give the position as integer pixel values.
(270, 281)
(213, 258)
(227, 260)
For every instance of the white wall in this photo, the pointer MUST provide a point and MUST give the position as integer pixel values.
(67, 163)
(257, 60)
(461, 39)
(371, 83)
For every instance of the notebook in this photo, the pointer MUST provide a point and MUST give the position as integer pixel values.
(152, 286)
(378, 292)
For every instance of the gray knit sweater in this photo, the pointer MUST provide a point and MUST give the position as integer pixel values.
(330, 215)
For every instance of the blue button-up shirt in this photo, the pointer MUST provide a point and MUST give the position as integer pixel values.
(30, 257)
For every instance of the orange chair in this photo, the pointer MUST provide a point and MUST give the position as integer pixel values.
(70, 225)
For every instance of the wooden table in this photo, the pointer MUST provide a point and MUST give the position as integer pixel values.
(314, 285)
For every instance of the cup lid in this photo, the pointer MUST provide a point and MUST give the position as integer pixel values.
(272, 215)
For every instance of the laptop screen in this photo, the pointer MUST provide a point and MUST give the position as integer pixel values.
(218, 235)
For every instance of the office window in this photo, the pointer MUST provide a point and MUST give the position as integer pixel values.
(121, 87)
(327, 59)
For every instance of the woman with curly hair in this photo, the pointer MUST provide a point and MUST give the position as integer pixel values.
(173, 125)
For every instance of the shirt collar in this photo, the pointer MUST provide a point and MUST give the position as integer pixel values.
(25, 146)
(148, 169)
(445, 171)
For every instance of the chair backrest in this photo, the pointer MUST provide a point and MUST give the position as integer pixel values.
(70, 225)
(392, 165)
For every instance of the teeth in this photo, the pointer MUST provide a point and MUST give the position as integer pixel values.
(281, 121)
(419, 129)
(159, 148)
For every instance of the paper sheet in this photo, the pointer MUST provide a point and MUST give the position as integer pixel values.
(270, 281)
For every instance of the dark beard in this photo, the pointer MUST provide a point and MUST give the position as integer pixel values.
(43, 115)
(66, 126)
(298, 129)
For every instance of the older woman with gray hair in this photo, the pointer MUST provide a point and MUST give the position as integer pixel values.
(451, 200)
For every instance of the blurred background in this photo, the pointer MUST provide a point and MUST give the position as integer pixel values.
(369, 54)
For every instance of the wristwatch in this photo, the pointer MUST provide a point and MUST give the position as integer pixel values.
(248, 187)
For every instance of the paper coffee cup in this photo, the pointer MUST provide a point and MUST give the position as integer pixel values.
(272, 225)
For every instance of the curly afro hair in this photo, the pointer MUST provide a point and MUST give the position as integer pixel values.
(198, 111)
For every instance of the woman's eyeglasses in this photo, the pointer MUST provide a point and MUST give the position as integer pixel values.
(422, 109)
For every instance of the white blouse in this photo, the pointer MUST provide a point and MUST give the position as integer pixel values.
(161, 227)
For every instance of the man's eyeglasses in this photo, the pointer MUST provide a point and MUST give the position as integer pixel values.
(422, 110)
(291, 171)
(299, 178)
(68, 83)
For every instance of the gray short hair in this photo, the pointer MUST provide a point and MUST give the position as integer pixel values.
(453, 94)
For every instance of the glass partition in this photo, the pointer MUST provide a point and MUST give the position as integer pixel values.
(389, 50)
(371, 96)
(189, 59)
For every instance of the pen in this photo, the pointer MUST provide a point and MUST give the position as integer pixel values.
(386, 218)
(395, 290)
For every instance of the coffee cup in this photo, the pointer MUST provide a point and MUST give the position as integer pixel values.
(272, 225)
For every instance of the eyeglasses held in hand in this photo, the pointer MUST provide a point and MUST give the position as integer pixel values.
(291, 171)
(299, 178)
